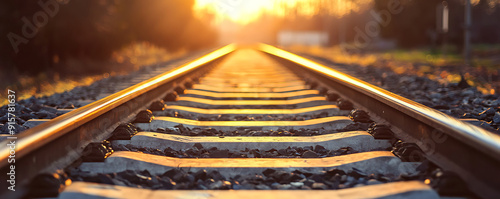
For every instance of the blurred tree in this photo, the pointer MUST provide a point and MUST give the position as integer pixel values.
(92, 30)
(410, 28)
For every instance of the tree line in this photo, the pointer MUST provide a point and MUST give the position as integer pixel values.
(418, 24)
(38, 33)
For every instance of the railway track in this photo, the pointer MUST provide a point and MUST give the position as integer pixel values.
(263, 122)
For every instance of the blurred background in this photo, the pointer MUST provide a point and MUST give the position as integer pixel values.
(50, 46)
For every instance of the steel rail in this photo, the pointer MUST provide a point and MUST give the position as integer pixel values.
(471, 152)
(57, 143)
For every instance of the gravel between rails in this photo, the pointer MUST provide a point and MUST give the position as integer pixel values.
(299, 117)
(269, 179)
(182, 130)
(198, 151)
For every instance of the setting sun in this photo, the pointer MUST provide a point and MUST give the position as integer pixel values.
(235, 10)
(244, 12)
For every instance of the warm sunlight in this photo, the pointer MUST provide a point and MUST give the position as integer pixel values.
(244, 11)
(235, 10)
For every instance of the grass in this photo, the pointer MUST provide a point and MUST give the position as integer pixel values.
(423, 56)
(438, 58)
(40, 86)
(129, 59)
(422, 62)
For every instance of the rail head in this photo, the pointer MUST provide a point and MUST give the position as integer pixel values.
(480, 138)
(479, 147)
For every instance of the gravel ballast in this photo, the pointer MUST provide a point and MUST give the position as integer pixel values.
(212, 179)
(198, 151)
(299, 117)
(450, 98)
(46, 107)
(182, 130)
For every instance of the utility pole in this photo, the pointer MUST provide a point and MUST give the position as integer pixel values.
(468, 22)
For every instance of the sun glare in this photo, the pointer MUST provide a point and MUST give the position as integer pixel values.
(240, 11)
(246, 11)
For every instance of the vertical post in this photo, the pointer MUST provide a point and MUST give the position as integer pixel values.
(467, 32)
(463, 83)
(444, 28)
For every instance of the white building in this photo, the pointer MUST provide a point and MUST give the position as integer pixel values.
(307, 38)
